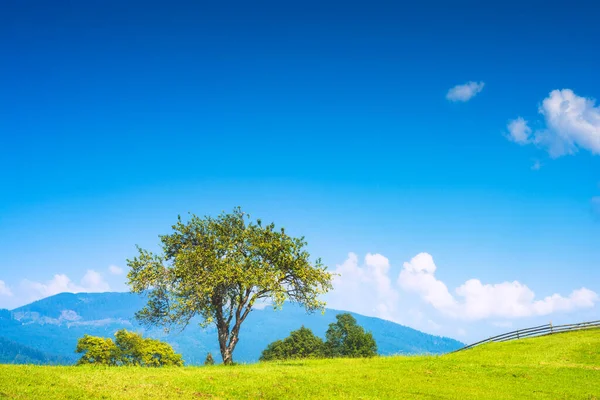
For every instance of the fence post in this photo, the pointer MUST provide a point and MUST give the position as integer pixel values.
(551, 330)
(518, 334)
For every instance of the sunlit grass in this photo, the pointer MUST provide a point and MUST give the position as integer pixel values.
(564, 366)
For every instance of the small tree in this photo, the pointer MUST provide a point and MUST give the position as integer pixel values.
(301, 343)
(96, 351)
(209, 360)
(129, 349)
(217, 268)
(345, 338)
(133, 349)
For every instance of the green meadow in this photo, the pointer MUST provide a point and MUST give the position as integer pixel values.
(561, 366)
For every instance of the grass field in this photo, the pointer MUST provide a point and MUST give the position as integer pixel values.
(563, 366)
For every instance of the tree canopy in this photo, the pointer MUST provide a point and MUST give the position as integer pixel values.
(96, 350)
(218, 268)
(345, 338)
(129, 348)
(301, 343)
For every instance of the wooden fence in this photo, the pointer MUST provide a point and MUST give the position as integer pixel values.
(541, 330)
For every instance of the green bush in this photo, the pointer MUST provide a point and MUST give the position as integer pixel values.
(300, 344)
(129, 348)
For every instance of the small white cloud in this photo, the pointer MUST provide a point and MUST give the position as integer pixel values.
(261, 304)
(537, 165)
(92, 281)
(464, 92)
(518, 131)
(5, 290)
(113, 269)
(572, 123)
(580, 298)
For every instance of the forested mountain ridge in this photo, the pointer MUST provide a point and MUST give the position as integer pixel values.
(53, 325)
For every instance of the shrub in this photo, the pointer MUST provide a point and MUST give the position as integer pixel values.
(96, 350)
(130, 348)
(209, 360)
(301, 343)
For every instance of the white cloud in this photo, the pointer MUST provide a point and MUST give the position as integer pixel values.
(113, 269)
(480, 301)
(373, 287)
(519, 131)
(92, 281)
(417, 275)
(464, 92)
(5, 290)
(366, 288)
(261, 304)
(572, 122)
(537, 165)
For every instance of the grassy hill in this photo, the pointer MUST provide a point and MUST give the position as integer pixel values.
(562, 366)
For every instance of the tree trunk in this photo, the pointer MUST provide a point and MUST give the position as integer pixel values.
(227, 356)
(229, 339)
(223, 333)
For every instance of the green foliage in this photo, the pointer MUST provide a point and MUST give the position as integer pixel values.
(301, 343)
(129, 349)
(96, 351)
(560, 366)
(345, 338)
(209, 360)
(217, 268)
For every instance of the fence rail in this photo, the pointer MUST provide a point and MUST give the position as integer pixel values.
(540, 330)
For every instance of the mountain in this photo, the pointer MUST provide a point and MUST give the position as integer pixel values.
(15, 353)
(53, 325)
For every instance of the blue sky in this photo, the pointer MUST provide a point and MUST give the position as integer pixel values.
(337, 121)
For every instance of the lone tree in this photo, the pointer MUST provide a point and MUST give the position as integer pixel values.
(300, 344)
(218, 268)
(209, 360)
(345, 338)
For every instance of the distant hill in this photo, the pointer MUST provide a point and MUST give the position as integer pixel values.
(53, 325)
(15, 353)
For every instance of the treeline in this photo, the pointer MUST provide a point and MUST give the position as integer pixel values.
(344, 338)
(16, 353)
